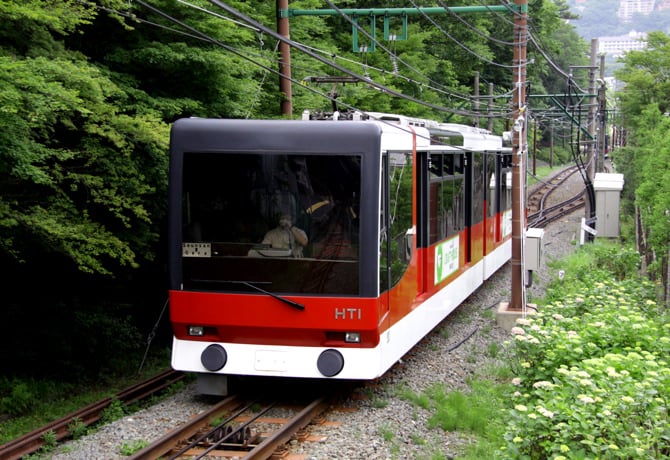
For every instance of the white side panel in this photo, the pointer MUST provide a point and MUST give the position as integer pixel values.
(497, 258)
(413, 327)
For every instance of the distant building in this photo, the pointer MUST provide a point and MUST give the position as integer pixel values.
(627, 8)
(633, 41)
(663, 5)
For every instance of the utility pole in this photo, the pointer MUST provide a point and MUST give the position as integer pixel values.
(476, 100)
(518, 298)
(490, 125)
(602, 111)
(284, 61)
(593, 109)
(591, 149)
(551, 144)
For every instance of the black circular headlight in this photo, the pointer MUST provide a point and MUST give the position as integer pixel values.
(214, 357)
(330, 362)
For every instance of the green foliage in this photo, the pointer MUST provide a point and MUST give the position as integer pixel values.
(20, 399)
(51, 400)
(387, 434)
(475, 411)
(50, 441)
(379, 403)
(113, 412)
(419, 400)
(646, 161)
(591, 263)
(69, 165)
(645, 75)
(471, 412)
(592, 374)
(77, 428)
(129, 448)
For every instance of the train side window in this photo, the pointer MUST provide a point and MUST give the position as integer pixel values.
(396, 219)
(506, 181)
(492, 173)
(478, 190)
(446, 196)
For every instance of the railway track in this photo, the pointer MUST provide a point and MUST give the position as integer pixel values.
(60, 429)
(237, 427)
(539, 214)
(553, 213)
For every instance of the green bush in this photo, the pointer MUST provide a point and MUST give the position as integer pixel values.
(600, 260)
(592, 376)
(19, 401)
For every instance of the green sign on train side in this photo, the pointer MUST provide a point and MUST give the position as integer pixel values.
(446, 259)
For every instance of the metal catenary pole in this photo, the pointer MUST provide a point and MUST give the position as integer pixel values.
(518, 297)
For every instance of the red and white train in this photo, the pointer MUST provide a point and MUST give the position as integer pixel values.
(404, 217)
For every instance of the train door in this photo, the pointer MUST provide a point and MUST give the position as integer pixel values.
(396, 239)
(385, 255)
(504, 209)
(476, 194)
(426, 217)
(442, 209)
(492, 173)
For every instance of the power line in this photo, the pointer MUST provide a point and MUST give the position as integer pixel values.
(342, 69)
(475, 29)
(393, 55)
(214, 41)
(462, 45)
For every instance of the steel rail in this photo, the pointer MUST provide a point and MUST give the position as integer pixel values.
(194, 439)
(544, 217)
(166, 443)
(32, 442)
(266, 448)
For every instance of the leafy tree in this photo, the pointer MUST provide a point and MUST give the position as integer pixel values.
(82, 187)
(646, 78)
(76, 164)
(645, 162)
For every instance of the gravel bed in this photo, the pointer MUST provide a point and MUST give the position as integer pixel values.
(376, 423)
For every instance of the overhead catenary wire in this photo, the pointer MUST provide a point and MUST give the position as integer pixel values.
(388, 51)
(462, 45)
(342, 69)
(384, 72)
(212, 40)
(473, 28)
(220, 16)
(204, 37)
(532, 39)
(158, 11)
(332, 55)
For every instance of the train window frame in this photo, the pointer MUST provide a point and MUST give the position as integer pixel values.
(444, 166)
(219, 245)
(394, 252)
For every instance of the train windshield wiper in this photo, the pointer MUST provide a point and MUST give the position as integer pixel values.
(250, 284)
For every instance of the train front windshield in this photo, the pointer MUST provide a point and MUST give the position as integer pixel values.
(280, 222)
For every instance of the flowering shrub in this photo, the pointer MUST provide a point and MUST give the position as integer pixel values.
(593, 378)
(593, 263)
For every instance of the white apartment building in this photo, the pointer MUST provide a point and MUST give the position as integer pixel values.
(633, 41)
(629, 7)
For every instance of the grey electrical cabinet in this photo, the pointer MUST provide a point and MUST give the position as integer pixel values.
(608, 191)
(534, 237)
